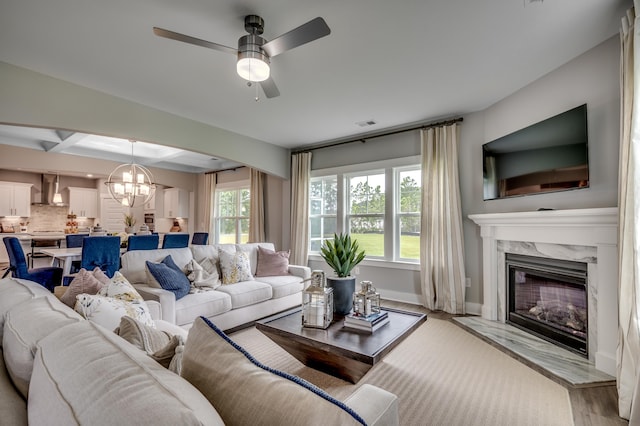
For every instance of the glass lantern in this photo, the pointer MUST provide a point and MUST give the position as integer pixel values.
(317, 302)
(366, 301)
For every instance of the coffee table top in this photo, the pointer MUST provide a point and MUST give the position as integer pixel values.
(358, 345)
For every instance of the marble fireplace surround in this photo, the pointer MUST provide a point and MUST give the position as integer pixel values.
(585, 235)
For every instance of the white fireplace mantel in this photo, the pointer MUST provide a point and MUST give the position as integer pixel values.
(588, 235)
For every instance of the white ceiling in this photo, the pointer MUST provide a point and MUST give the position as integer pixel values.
(395, 63)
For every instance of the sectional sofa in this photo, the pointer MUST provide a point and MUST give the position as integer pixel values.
(227, 306)
(57, 368)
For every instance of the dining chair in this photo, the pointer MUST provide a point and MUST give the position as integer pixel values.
(75, 240)
(175, 241)
(37, 244)
(200, 238)
(103, 252)
(143, 242)
(48, 276)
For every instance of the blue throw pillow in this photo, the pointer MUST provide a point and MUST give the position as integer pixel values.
(169, 276)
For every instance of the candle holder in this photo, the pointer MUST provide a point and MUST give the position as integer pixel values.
(366, 301)
(317, 302)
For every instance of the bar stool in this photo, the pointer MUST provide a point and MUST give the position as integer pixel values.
(38, 244)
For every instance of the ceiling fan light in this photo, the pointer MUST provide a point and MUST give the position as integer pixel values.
(253, 69)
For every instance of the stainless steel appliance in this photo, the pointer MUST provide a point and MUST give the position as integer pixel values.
(149, 220)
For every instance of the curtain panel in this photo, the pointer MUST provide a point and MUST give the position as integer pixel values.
(300, 180)
(256, 207)
(628, 353)
(442, 272)
(210, 180)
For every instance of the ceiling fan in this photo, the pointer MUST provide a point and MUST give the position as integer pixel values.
(254, 52)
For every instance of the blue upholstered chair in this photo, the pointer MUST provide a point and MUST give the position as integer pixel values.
(75, 240)
(200, 238)
(143, 242)
(103, 252)
(175, 241)
(49, 276)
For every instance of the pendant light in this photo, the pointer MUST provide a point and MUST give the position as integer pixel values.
(131, 182)
(57, 198)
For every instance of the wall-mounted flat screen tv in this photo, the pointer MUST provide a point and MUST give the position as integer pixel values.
(548, 156)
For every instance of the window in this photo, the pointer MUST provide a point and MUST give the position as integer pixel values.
(232, 215)
(408, 212)
(378, 204)
(365, 217)
(323, 207)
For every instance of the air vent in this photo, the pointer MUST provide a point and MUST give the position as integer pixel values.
(366, 123)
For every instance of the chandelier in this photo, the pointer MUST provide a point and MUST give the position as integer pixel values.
(130, 182)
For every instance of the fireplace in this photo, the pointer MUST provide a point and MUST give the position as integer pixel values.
(582, 235)
(548, 297)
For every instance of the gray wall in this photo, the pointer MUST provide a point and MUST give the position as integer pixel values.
(592, 78)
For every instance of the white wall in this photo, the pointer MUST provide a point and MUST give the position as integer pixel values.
(591, 78)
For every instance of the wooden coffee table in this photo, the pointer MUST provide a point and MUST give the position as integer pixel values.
(339, 351)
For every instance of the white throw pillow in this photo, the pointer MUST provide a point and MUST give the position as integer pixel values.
(235, 267)
(107, 311)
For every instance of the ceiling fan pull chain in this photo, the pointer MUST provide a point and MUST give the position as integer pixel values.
(257, 98)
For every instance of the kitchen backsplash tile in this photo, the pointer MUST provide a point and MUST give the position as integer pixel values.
(45, 218)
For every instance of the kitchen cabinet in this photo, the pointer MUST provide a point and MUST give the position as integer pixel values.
(156, 204)
(83, 202)
(176, 203)
(15, 199)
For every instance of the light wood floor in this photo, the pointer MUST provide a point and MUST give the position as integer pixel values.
(592, 406)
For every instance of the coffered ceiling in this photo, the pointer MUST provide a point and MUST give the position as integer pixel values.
(389, 63)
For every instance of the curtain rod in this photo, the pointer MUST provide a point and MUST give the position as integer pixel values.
(365, 138)
(230, 169)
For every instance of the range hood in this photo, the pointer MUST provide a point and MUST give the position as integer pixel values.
(48, 189)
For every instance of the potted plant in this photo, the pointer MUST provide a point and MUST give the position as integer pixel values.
(129, 222)
(342, 254)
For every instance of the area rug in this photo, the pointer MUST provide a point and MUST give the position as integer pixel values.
(442, 375)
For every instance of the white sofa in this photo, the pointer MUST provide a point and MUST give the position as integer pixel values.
(228, 306)
(57, 368)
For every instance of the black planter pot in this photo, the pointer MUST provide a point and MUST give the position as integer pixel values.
(343, 289)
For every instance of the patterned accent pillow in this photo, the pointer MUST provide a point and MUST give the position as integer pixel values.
(84, 282)
(120, 288)
(201, 279)
(235, 267)
(272, 263)
(169, 276)
(107, 311)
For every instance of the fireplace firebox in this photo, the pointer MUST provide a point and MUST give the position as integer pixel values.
(548, 298)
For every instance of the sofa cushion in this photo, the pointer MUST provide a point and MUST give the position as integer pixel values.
(242, 390)
(14, 291)
(235, 267)
(272, 263)
(12, 405)
(85, 374)
(168, 276)
(84, 282)
(24, 326)
(247, 293)
(132, 263)
(208, 304)
(283, 285)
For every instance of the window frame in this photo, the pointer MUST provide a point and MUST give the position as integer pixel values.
(392, 169)
(237, 186)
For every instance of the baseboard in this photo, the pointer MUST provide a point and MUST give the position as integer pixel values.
(397, 296)
(472, 308)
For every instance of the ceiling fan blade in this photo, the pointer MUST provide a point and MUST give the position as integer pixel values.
(312, 30)
(269, 88)
(192, 40)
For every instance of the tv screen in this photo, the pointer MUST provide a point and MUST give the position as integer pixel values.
(548, 156)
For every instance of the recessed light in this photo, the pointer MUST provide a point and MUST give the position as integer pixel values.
(89, 175)
(366, 123)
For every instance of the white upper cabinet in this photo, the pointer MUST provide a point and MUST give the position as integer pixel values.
(15, 199)
(176, 203)
(83, 202)
(156, 203)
